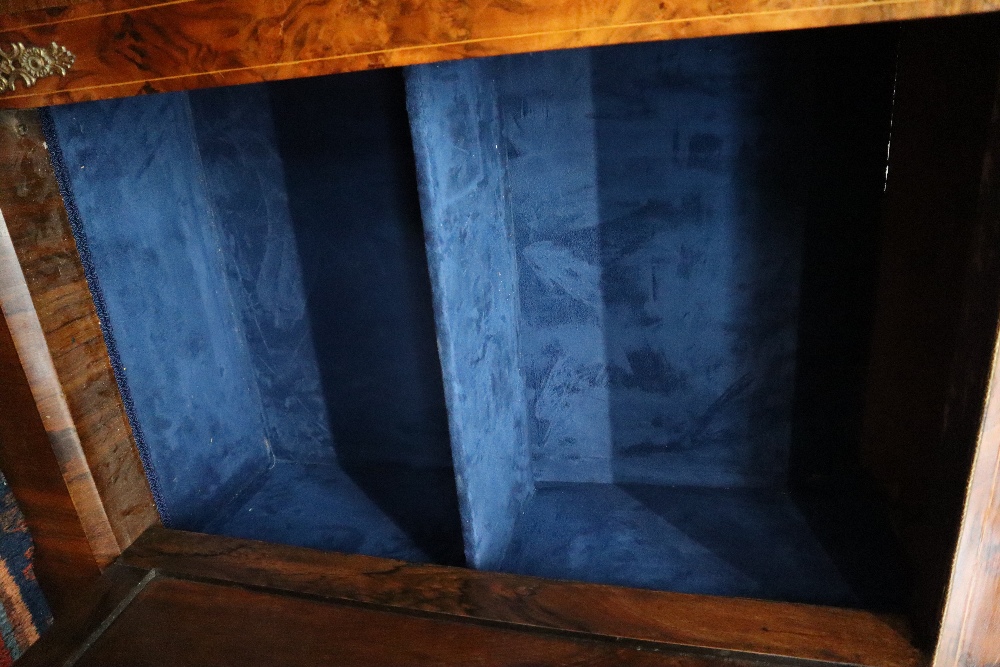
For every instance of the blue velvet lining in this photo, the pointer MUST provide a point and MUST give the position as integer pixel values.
(245, 180)
(734, 542)
(623, 240)
(659, 307)
(256, 328)
(135, 174)
(613, 304)
(349, 175)
(385, 509)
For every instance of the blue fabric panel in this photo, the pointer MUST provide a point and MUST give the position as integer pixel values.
(658, 278)
(658, 203)
(759, 543)
(703, 206)
(471, 256)
(549, 150)
(136, 178)
(245, 180)
(323, 303)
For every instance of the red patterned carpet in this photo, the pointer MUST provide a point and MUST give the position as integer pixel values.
(24, 614)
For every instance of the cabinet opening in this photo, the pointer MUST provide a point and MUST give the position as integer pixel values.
(258, 258)
(634, 314)
(678, 243)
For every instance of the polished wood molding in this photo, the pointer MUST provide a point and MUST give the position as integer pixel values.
(33, 457)
(675, 620)
(145, 618)
(126, 50)
(185, 598)
(55, 334)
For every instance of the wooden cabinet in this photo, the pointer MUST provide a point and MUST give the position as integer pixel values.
(712, 321)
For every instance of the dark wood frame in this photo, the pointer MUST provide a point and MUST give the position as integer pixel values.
(68, 452)
(696, 625)
(65, 442)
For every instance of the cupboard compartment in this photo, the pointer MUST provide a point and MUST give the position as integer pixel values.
(257, 257)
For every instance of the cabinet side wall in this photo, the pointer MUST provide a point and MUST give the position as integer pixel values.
(153, 258)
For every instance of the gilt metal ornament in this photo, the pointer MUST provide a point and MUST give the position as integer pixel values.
(27, 64)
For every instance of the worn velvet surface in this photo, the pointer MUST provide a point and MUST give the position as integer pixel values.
(658, 310)
(830, 548)
(692, 229)
(384, 509)
(244, 175)
(474, 272)
(272, 307)
(349, 170)
(600, 314)
(136, 178)
(742, 542)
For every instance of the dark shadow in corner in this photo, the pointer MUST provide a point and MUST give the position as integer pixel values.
(851, 97)
(352, 190)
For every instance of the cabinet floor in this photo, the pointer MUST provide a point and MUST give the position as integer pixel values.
(760, 543)
(380, 509)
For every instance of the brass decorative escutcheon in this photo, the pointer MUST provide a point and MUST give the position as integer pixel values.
(28, 64)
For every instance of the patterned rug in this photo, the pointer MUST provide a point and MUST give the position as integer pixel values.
(24, 614)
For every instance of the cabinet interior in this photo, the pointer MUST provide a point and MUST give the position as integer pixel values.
(603, 314)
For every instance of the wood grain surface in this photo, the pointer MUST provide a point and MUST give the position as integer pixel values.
(176, 622)
(14, 6)
(137, 617)
(748, 627)
(64, 557)
(122, 50)
(970, 628)
(86, 616)
(53, 326)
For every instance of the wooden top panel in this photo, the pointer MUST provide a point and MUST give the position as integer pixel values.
(672, 620)
(64, 558)
(14, 6)
(180, 44)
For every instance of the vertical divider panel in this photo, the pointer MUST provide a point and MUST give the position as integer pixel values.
(473, 267)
